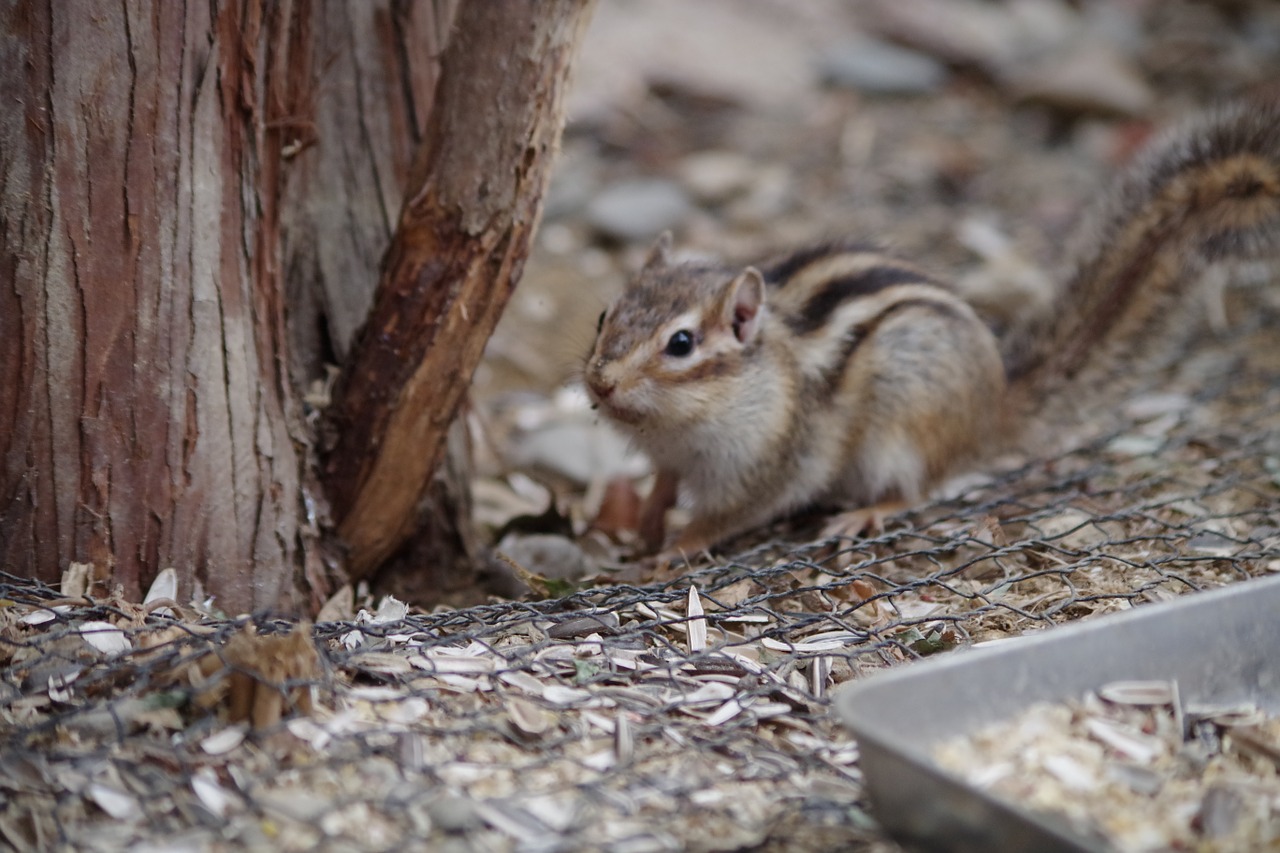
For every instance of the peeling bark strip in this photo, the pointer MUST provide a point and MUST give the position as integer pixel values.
(461, 243)
(145, 413)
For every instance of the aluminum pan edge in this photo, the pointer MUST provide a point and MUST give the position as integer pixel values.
(1221, 645)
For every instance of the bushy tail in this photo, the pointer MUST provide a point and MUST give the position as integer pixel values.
(1204, 193)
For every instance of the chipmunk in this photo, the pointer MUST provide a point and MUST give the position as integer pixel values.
(841, 374)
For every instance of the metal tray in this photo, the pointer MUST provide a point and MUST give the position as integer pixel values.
(1221, 646)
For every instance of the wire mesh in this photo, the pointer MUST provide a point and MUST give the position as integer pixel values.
(604, 720)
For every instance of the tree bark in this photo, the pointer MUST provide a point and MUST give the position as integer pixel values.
(163, 168)
(147, 416)
(463, 235)
(374, 67)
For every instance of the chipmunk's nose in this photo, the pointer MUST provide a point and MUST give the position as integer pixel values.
(600, 389)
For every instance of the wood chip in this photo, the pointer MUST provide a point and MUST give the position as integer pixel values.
(115, 802)
(222, 742)
(528, 717)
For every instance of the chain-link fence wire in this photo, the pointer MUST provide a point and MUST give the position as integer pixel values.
(617, 717)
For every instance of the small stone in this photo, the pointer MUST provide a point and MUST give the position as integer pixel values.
(1089, 78)
(1221, 811)
(544, 554)
(714, 177)
(879, 68)
(576, 449)
(770, 196)
(574, 181)
(964, 32)
(453, 814)
(636, 211)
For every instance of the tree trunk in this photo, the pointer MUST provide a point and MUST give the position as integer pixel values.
(169, 173)
(147, 417)
(463, 235)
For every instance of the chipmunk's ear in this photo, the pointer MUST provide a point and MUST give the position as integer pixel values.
(660, 253)
(745, 304)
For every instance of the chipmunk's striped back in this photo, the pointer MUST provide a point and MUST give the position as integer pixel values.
(833, 296)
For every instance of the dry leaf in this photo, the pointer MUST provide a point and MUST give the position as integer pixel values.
(619, 508)
(340, 607)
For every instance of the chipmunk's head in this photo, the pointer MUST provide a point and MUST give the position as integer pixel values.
(666, 349)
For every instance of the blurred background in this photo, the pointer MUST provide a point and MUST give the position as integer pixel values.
(968, 135)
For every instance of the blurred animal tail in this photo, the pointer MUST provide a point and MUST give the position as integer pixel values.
(1204, 194)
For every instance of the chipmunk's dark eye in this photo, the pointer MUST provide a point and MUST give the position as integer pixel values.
(680, 344)
(600, 323)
